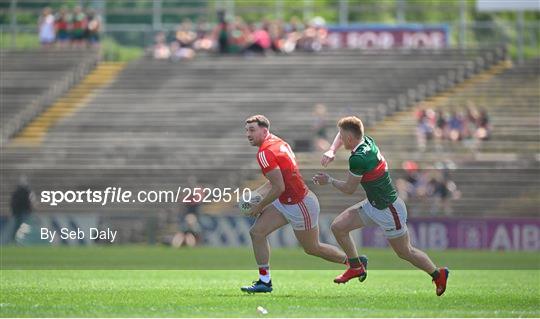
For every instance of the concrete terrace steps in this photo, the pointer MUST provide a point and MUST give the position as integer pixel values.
(101, 76)
(30, 80)
(158, 114)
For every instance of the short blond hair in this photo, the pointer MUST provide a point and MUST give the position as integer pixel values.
(261, 120)
(352, 124)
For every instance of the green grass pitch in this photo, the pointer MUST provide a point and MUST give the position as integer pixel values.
(32, 285)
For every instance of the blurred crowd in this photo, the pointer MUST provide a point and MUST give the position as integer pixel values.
(241, 38)
(432, 185)
(66, 28)
(469, 125)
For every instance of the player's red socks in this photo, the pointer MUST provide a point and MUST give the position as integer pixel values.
(264, 273)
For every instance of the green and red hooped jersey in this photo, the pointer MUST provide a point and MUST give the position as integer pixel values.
(367, 161)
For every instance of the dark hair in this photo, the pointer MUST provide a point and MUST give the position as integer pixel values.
(261, 120)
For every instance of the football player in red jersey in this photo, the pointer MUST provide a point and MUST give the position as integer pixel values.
(287, 200)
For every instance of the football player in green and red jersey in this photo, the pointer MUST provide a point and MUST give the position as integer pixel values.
(382, 208)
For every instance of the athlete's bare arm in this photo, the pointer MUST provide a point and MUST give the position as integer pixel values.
(329, 155)
(277, 187)
(264, 189)
(348, 187)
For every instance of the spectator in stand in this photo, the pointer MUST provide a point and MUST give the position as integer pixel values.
(483, 131)
(191, 229)
(438, 191)
(424, 129)
(470, 120)
(455, 125)
(293, 34)
(190, 224)
(79, 23)
(185, 38)
(321, 33)
(46, 30)
(204, 40)
(468, 125)
(314, 36)
(22, 204)
(77, 30)
(432, 119)
(277, 36)
(413, 185)
(221, 33)
(93, 27)
(202, 29)
(178, 53)
(161, 50)
(433, 184)
(260, 40)
(440, 131)
(442, 189)
(180, 230)
(62, 27)
(239, 36)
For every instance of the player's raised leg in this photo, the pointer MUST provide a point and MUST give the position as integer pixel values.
(267, 222)
(403, 248)
(347, 221)
(304, 219)
(309, 239)
(342, 225)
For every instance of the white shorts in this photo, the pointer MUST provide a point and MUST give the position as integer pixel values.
(303, 215)
(392, 220)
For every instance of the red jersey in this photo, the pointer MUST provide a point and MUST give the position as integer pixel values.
(276, 153)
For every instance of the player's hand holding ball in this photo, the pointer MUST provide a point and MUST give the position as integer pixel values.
(251, 207)
(321, 179)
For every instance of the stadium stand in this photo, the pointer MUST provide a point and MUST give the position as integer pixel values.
(76, 97)
(32, 80)
(159, 121)
(500, 176)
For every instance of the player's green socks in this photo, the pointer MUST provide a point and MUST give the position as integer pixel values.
(355, 262)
